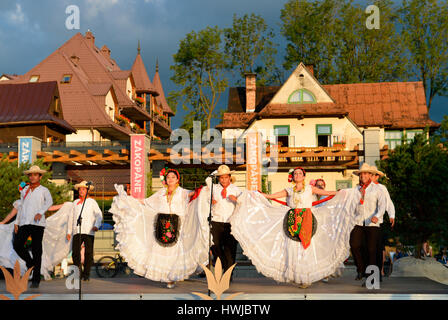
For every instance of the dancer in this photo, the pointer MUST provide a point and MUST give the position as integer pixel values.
(163, 237)
(225, 195)
(55, 247)
(92, 218)
(303, 244)
(390, 209)
(35, 200)
(370, 211)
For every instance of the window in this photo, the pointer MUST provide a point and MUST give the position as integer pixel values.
(66, 78)
(343, 184)
(34, 78)
(302, 96)
(282, 133)
(410, 134)
(281, 130)
(393, 138)
(323, 132)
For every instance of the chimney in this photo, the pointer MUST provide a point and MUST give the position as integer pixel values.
(90, 38)
(251, 89)
(310, 68)
(105, 51)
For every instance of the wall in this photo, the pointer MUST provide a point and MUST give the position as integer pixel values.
(84, 135)
(304, 130)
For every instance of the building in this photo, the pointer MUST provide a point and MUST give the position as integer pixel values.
(327, 129)
(32, 109)
(103, 102)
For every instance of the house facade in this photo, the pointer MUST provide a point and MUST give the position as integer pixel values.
(319, 127)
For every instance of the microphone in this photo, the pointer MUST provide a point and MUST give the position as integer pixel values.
(89, 183)
(213, 174)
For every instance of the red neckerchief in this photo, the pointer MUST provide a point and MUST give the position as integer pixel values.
(81, 200)
(224, 192)
(363, 191)
(31, 187)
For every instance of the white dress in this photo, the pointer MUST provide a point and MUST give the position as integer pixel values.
(55, 246)
(258, 227)
(135, 228)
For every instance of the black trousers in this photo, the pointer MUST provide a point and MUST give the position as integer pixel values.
(364, 244)
(37, 234)
(224, 244)
(88, 240)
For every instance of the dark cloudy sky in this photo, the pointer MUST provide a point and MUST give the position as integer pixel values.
(31, 30)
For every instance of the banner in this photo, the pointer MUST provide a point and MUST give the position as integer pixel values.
(25, 149)
(253, 161)
(138, 166)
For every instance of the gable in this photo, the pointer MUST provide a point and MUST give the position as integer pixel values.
(301, 81)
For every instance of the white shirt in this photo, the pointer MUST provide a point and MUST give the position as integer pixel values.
(91, 217)
(223, 209)
(178, 205)
(390, 208)
(31, 203)
(303, 199)
(374, 206)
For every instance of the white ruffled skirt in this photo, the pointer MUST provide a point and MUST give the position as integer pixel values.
(258, 227)
(134, 226)
(55, 246)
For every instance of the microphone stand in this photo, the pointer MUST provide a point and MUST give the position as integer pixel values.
(78, 223)
(210, 227)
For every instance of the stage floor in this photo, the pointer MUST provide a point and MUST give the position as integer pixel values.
(253, 288)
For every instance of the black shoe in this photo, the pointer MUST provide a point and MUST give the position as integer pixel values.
(359, 276)
(86, 279)
(34, 285)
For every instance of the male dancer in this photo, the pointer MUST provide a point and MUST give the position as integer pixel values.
(370, 211)
(91, 222)
(223, 204)
(390, 209)
(35, 200)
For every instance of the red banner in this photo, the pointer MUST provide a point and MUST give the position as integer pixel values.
(253, 161)
(138, 179)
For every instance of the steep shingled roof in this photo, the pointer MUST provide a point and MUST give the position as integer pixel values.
(30, 103)
(92, 70)
(141, 78)
(386, 104)
(161, 100)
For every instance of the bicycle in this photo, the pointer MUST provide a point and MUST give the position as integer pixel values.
(109, 267)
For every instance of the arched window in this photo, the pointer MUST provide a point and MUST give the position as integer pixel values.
(302, 96)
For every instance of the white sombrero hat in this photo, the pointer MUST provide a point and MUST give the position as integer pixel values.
(34, 169)
(83, 184)
(378, 172)
(364, 168)
(223, 169)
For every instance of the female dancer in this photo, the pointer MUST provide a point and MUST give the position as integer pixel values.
(298, 243)
(163, 237)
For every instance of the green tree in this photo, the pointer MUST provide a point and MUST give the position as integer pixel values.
(416, 174)
(333, 36)
(425, 34)
(368, 55)
(12, 175)
(310, 31)
(250, 48)
(199, 69)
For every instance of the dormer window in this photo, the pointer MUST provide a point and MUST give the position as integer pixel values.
(34, 78)
(66, 78)
(302, 96)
